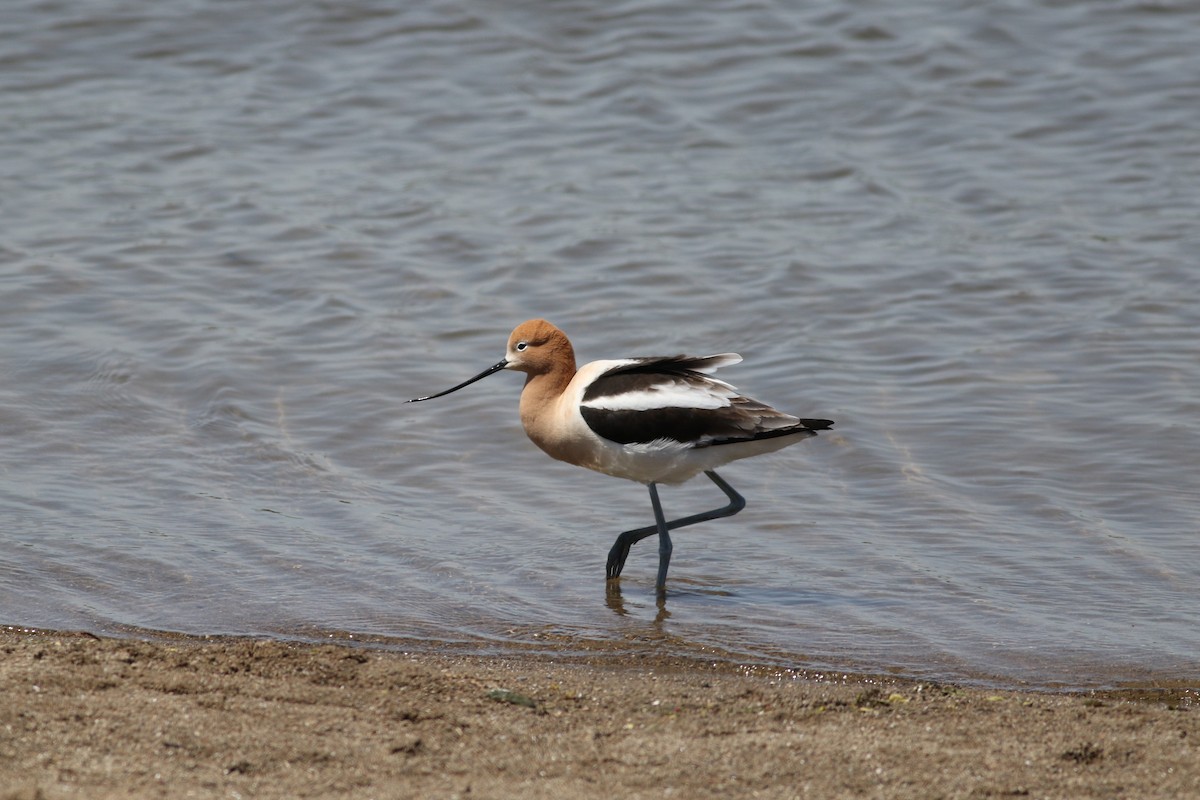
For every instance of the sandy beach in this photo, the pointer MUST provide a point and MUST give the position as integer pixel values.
(106, 718)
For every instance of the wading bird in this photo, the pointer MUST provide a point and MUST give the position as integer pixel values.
(652, 420)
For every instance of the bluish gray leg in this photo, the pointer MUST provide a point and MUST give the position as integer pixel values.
(620, 549)
(664, 540)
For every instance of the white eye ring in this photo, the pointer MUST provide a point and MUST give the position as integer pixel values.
(521, 346)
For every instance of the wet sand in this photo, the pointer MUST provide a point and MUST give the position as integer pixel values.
(107, 718)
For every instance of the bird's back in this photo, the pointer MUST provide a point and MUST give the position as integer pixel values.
(674, 397)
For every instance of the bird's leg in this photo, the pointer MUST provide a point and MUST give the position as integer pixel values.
(620, 550)
(736, 501)
(664, 541)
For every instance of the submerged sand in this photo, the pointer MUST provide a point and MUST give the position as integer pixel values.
(107, 718)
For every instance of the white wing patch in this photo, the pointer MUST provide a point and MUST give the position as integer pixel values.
(709, 394)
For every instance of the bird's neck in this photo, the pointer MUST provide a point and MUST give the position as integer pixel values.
(540, 401)
(542, 389)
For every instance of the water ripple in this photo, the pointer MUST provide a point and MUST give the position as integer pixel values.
(238, 236)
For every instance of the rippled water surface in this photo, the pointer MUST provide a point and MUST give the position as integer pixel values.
(237, 235)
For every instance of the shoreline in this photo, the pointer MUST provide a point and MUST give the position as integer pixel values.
(1155, 686)
(95, 717)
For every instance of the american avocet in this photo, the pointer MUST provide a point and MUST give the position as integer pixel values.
(653, 420)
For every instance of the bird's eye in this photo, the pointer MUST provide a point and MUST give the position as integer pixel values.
(521, 346)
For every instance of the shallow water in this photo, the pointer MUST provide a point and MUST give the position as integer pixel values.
(237, 236)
